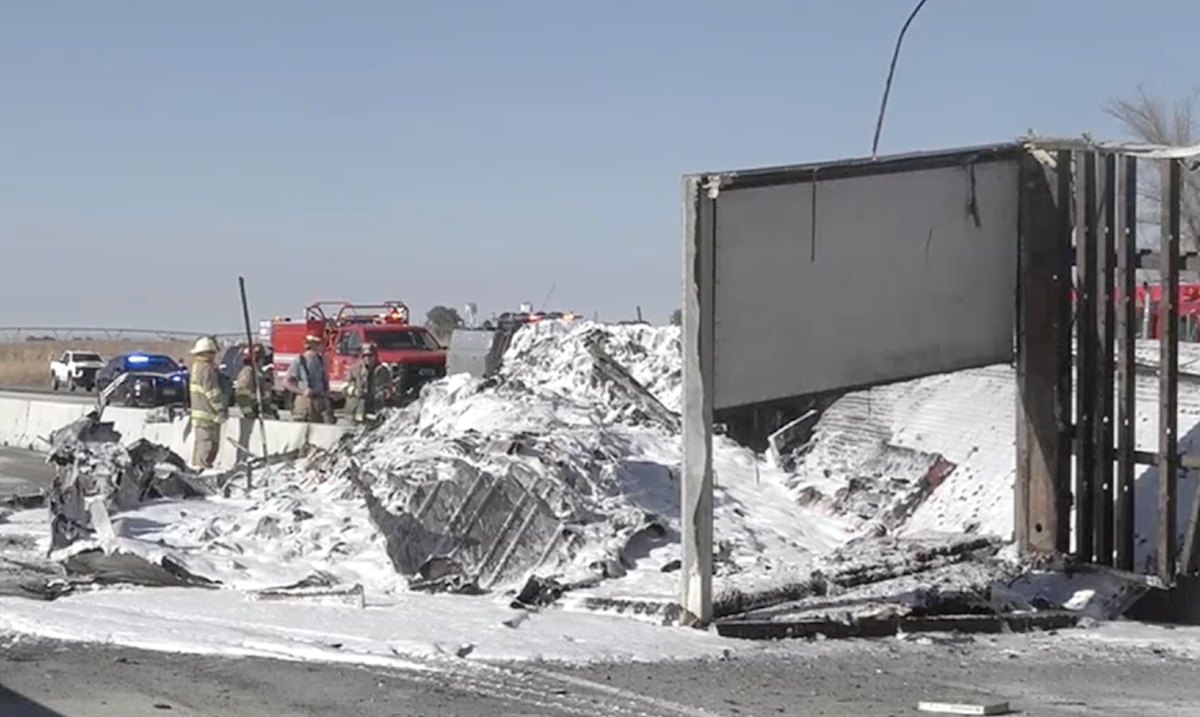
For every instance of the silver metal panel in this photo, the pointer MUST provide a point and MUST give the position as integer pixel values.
(468, 352)
(857, 280)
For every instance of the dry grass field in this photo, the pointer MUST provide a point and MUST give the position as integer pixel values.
(26, 364)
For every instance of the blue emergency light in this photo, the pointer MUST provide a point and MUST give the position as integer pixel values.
(137, 358)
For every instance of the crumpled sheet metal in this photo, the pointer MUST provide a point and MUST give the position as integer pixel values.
(1145, 150)
(95, 477)
(472, 531)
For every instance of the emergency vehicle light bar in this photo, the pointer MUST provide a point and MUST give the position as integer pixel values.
(395, 312)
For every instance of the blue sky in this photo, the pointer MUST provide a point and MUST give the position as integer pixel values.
(474, 150)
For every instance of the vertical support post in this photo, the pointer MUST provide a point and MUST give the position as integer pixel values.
(1168, 376)
(1105, 342)
(1062, 344)
(696, 500)
(1127, 332)
(1085, 363)
(1042, 285)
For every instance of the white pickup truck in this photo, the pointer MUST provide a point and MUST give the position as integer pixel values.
(75, 369)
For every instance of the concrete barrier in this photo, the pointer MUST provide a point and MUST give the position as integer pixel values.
(25, 421)
(282, 436)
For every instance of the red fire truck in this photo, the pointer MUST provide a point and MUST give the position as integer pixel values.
(413, 354)
(1150, 296)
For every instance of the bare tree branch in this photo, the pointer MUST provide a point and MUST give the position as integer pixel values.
(1156, 121)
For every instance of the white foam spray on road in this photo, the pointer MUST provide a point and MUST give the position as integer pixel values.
(610, 464)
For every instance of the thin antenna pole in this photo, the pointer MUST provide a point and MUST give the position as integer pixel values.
(887, 87)
(550, 293)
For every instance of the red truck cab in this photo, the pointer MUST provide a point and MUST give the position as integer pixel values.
(411, 352)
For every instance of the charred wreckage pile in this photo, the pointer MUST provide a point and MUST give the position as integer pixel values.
(97, 478)
(527, 483)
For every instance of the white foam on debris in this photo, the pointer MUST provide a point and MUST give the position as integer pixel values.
(551, 390)
(968, 417)
(607, 468)
(965, 417)
(551, 356)
(610, 466)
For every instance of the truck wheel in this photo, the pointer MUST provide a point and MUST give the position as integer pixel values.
(53, 382)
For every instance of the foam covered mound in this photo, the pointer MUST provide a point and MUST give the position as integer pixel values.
(933, 454)
(565, 467)
(554, 467)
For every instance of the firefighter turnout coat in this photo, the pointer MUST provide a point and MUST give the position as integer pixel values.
(368, 389)
(246, 398)
(208, 407)
(208, 410)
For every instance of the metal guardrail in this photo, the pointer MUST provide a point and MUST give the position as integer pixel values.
(13, 334)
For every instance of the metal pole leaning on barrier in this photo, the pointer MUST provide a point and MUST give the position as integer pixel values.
(258, 393)
(103, 397)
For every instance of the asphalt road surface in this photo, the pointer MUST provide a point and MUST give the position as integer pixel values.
(48, 395)
(23, 472)
(1037, 677)
(1041, 675)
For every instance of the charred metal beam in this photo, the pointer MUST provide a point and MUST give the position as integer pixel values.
(1148, 259)
(890, 624)
(1168, 387)
(1102, 484)
(1190, 461)
(1043, 284)
(1126, 320)
(1191, 540)
(1061, 300)
(1085, 367)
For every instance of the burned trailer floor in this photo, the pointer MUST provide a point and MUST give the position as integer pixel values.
(881, 587)
(884, 586)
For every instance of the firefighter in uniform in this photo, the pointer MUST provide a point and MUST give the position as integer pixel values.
(208, 408)
(308, 380)
(368, 386)
(243, 386)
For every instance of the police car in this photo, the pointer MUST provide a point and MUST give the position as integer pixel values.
(143, 380)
